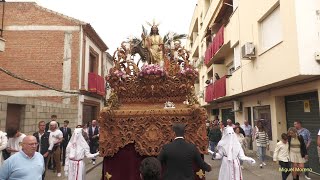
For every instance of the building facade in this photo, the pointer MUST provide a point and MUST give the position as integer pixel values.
(266, 55)
(109, 64)
(57, 51)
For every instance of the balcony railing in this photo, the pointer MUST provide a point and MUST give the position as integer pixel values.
(216, 90)
(96, 84)
(216, 44)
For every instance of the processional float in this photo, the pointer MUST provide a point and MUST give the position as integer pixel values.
(145, 102)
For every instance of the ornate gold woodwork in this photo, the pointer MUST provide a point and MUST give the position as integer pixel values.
(149, 128)
(135, 111)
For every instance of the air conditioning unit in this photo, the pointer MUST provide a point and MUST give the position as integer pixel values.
(248, 50)
(237, 106)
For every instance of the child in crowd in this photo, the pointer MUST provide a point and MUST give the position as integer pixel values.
(281, 154)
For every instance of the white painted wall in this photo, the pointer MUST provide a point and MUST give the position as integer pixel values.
(66, 73)
(308, 30)
(80, 56)
(108, 65)
(80, 107)
(35, 93)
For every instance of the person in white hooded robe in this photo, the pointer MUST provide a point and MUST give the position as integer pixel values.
(3, 144)
(230, 151)
(76, 150)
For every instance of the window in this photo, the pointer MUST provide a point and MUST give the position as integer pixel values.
(271, 30)
(236, 57)
(93, 62)
(230, 68)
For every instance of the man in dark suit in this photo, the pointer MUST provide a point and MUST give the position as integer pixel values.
(43, 143)
(53, 118)
(93, 132)
(178, 157)
(66, 131)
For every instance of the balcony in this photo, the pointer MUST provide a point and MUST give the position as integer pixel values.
(96, 84)
(195, 47)
(217, 43)
(216, 90)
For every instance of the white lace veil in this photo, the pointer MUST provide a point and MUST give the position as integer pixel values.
(229, 143)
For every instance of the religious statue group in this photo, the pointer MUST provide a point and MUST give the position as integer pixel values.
(153, 48)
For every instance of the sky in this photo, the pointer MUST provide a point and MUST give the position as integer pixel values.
(116, 20)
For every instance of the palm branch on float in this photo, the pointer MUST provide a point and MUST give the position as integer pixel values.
(172, 36)
(144, 31)
(136, 40)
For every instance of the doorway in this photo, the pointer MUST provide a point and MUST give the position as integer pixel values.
(14, 116)
(263, 114)
(89, 113)
(305, 107)
(227, 114)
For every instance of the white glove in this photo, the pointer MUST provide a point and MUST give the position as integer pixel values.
(210, 152)
(96, 154)
(252, 161)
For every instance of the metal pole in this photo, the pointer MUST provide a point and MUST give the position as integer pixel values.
(1, 30)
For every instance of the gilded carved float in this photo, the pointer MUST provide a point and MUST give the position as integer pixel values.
(135, 111)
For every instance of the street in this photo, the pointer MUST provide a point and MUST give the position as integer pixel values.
(252, 172)
(93, 171)
(270, 171)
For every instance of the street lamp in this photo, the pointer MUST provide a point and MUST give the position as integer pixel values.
(2, 41)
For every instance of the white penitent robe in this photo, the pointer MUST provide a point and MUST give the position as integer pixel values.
(3, 145)
(76, 150)
(230, 151)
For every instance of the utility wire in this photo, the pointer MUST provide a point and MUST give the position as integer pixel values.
(34, 82)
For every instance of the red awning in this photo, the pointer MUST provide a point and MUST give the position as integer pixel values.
(92, 82)
(96, 84)
(216, 44)
(216, 89)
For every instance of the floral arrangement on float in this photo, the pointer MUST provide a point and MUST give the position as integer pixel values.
(189, 72)
(152, 69)
(116, 75)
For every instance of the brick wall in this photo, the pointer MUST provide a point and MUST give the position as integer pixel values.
(36, 110)
(29, 13)
(34, 55)
(37, 55)
(75, 60)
